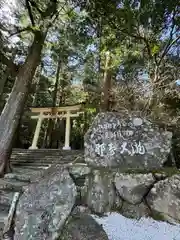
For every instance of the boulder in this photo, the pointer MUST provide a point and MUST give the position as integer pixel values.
(135, 211)
(99, 193)
(83, 227)
(12, 185)
(126, 140)
(17, 177)
(164, 199)
(79, 169)
(45, 205)
(6, 198)
(133, 187)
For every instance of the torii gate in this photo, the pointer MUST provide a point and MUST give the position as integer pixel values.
(54, 113)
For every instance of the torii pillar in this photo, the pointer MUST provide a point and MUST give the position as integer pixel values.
(37, 132)
(67, 132)
(61, 112)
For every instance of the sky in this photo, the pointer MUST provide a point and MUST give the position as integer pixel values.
(7, 10)
(7, 16)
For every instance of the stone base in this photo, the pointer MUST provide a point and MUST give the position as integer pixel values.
(31, 147)
(66, 148)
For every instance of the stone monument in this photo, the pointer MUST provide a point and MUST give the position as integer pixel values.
(127, 141)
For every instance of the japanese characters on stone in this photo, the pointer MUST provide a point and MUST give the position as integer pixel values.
(116, 131)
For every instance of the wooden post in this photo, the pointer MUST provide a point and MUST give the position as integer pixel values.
(37, 132)
(7, 231)
(67, 134)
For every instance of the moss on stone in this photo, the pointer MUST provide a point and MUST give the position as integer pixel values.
(169, 171)
(158, 216)
(116, 209)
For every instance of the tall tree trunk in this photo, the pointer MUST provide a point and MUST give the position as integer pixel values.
(13, 109)
(3, 81)
(107, 84)
(63, 83)
(36, 89)
(51, 123)
(99, 33)
(153, 99)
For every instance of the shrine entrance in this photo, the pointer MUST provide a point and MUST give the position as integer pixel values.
(66, 113)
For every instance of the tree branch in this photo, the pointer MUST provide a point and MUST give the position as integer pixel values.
(138, 37)
(30, 13)
(29, 28)
(169, 46)
(56, 15)
(51, 9)
(169, 43)
(6, 61)
(34, 4)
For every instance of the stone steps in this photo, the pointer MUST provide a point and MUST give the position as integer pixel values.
(26, 169)
(44, 157)
(46, 152)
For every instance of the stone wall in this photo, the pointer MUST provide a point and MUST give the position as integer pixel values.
(134, 193)
(124, 171)
(64, 197)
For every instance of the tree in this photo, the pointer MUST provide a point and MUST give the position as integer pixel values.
(151, 26)
(140, 37)
(107, 83)
(41, 16)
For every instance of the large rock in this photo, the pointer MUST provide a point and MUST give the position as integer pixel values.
(83, 227)
(6, 198)
(79, 169)
(18, 177)
(99, 193)
(164, 198)
(133, 187)
(45, 205)
(126, 140)
(134, 211)
(12, 185)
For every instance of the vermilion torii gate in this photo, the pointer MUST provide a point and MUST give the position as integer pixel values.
(66, 112)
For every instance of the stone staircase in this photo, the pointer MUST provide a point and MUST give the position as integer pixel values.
(27, 164)
(41, 158)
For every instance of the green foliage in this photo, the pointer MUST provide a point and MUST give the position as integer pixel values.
(141, 36)
(80, 127)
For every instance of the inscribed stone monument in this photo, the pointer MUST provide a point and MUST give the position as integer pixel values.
(127, 141)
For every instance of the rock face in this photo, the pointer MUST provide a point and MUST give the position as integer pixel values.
(126, 140)
(45, 205)
(46, 209)
(133, 187)
(83, 227)
(134, 211)
(99, 193)
(79, 169)
(164, 198)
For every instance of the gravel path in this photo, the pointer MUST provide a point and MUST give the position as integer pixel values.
(121, 228)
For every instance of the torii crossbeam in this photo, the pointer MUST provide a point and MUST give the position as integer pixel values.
(66, 112)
